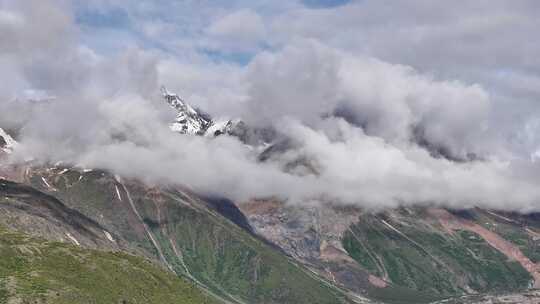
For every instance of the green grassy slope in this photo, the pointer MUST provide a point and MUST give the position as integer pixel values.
(195, 241)
(230, 261)
(427, 259)
(524, 234)
(36, 271)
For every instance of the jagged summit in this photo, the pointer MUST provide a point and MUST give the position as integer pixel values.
(195, 122)
(222, 126)
(7, 143)
(188, 120)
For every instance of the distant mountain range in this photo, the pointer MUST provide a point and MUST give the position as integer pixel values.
(73, 235)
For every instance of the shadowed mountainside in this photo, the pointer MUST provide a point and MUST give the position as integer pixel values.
(186, 235)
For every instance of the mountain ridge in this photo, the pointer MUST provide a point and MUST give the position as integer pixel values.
(269, 251)
(192, 121)
(7, 143)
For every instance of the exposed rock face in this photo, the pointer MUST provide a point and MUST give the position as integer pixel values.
(195, 122)
(7, 143)
(24, 208)
(295, 231)
(512, 251)
(312, 235)
(403, 252)
(188, 120)
(266, 251)
(204, 240)
(410, 250)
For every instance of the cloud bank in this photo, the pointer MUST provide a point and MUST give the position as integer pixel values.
(378, 134)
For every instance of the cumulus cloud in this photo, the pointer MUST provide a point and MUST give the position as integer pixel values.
(473, 41)
(218, 88)
(243, 30)
(367, 127)
(308, 80)
(366, 170)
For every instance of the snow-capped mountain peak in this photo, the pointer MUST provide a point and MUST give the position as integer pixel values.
(222, 126)
(194, 122)
(188, 120)
(7, 143)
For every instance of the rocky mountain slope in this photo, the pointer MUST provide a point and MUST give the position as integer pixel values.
(413, 255)
(33, 270)
(419, 254)
(7, 143)
(188, 120)
(187, 235)
(193, 121)
(268, 251)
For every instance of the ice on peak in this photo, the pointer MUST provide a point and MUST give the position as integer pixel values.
(188, 120)
(191, 121)
(176, 102)
(221, 126)
(165, 92)
(7, 143)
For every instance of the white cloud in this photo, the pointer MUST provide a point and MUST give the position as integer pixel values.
(242, 30)
(220, 89)
(307, 80)
(366, 170)
(108, 114)
(10, 19)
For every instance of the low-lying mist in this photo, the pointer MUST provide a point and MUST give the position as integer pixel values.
(105, 111)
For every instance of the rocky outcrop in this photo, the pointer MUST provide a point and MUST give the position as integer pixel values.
(312, 235)
(205, 240)
(7, 143)
(24, 208)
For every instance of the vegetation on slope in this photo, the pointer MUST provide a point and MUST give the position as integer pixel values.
(421, 256)
(33, 270)
(190, 238)
(522, 231)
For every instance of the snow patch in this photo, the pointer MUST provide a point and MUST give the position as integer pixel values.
(10, 143)
(47, 184)
(188, 120)
(118, 192)
(74, 240)
(219, 125)
(108, 236)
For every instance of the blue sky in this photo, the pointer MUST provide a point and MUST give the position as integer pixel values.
(111, 18)
(325, 3)
(447, 41)
(111, 26)
(466, 72)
